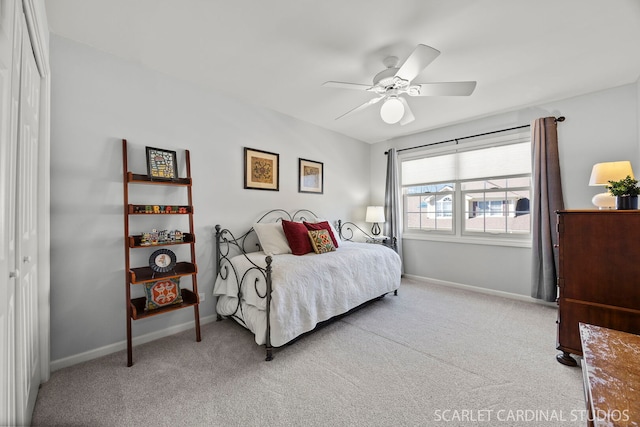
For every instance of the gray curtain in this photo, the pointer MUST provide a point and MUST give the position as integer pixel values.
(392, 202)
(546, 200)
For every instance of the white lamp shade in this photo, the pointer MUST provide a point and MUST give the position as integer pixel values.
(375, 214)
(602, 173)
(392, 111)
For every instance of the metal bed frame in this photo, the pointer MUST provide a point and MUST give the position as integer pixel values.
(228, 246)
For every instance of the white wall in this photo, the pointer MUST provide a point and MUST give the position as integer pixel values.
(638, 112)
(601, 126)
(98, 99)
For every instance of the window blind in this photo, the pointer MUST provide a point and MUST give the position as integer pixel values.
(495, 161)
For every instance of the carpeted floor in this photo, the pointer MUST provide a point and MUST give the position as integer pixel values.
(432, 355)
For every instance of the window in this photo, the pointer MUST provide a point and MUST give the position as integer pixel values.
(429, 207)
(497, 206)
(480, 189)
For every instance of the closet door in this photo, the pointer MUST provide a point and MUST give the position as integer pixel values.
(27, 335)
(20, 83)
(9, 101)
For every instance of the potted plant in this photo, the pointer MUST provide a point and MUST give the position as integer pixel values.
(626, 192)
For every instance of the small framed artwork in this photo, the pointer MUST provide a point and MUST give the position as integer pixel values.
(311, 176)
(261, 170)
(161, 164)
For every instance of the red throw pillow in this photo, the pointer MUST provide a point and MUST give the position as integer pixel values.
(297, 236)
(323, 225)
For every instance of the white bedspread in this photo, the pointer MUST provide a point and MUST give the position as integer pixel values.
(308, 289)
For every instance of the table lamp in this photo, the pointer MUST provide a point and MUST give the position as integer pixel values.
(375, 214)
(601, 174)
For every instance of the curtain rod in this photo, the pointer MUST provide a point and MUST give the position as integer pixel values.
(558, 119)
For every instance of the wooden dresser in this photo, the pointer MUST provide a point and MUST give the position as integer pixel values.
(611, 376)
(599, 277)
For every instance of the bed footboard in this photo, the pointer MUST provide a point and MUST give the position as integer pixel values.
(227, 246)
(226, 242)
(349, 231)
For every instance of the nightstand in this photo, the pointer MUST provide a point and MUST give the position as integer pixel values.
(382, 240)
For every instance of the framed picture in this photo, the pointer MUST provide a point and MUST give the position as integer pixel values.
(261, 170)
(161, 164)
(311, 176)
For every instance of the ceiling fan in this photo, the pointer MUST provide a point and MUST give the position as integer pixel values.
(396, 80)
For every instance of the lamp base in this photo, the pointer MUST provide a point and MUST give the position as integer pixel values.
(375, 230)
(604, 201)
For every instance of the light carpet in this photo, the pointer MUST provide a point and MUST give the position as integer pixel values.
(431, 356)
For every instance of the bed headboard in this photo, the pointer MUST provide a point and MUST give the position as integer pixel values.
(228, 245)
(276, 215)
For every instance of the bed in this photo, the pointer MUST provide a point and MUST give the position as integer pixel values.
(266, 282)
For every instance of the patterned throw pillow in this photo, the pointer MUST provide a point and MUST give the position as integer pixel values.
(321, 241)
(162, 293)
(322, 225)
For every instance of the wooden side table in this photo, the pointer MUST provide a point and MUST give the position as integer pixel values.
(611, 371)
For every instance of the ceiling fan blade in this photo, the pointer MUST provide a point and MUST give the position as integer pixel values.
(408, 116)
(362, 107)
(342, 85)
(421, 56)
(445, 89)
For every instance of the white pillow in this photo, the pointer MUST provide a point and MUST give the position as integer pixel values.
(272, 238)
(335, 232)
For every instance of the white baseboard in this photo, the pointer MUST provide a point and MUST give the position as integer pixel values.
(122, 345)
(481, 290)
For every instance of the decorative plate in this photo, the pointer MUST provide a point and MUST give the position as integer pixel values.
(162, 260)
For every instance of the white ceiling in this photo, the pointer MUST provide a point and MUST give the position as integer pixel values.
(277, 53)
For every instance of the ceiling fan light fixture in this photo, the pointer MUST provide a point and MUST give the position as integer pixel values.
(397, 79)
(385, 78)
(392, 110)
